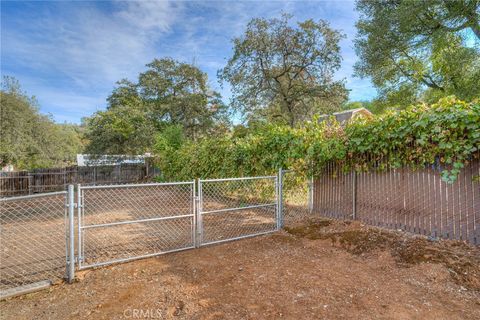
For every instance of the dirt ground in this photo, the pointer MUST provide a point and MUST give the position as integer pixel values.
(322, 270)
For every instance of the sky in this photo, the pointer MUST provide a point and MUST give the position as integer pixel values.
(70, 54)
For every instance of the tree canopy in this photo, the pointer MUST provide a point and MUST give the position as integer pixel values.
(29, 139)
(167, 93)
(419, 49)
(284, 72)
(282, 75)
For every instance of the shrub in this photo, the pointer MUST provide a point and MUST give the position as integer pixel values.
(446, 134)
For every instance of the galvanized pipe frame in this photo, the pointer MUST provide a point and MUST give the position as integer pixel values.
(31, 196)
(69, 252)
(111, 224)
(280, 199)
(71, 234)
(236, 179)
(137, 185)
(197, 224)
(201, 212)
(240, 208)
(82, 226)
(79, 224)
(199, 215)
(150, 255)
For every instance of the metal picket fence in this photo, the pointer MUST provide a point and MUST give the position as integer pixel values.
(414, 200)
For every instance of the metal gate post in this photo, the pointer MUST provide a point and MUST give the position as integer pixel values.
(280, 199)
(199, 216)
(277, 208)
(79, 222)
(71, 235)
(195, 215)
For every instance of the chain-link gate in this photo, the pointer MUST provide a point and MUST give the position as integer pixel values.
(237, 208)
(34, 238)
(119, 223)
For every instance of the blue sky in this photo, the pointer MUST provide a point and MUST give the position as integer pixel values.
(69, 54)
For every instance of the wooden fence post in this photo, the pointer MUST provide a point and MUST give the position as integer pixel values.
(30, 179)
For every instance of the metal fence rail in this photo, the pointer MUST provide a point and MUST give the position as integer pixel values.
(115, 223)
(33, 240)
(236, 208)
(126, 222)
(417, 201)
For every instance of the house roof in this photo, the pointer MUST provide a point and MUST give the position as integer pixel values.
(343, 116)
(108, 160)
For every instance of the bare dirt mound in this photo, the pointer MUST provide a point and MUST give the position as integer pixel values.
(462, 260)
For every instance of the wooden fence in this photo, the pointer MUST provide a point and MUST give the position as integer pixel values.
(56, 179)
(412, 200)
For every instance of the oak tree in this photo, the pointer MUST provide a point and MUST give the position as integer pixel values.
(282, 71)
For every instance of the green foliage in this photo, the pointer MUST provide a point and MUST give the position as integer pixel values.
(29, 139)
(178, 93)
(167, 93)
(171, 138)
(123, 129)
(256, 153)
(284, 73)
(444, 134)
(419, 50)
(447, 132)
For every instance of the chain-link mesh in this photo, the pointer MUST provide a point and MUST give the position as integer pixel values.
(127, 222)
(33, 239)
(297, 197)
(236, 208)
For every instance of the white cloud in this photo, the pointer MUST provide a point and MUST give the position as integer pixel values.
(74, 54)
(149, 15)
(92, 46)
(83, 48)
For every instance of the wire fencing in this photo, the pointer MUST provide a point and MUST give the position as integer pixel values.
(125, 222)
(237, 208)
(42, 239)
(33, 240)
(297, 197)
(57, 179)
